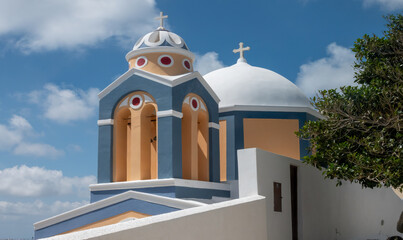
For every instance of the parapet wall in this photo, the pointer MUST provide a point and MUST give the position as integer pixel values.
(237, 219)
(324, 210)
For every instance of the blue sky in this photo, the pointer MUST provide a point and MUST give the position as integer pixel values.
(55, 56)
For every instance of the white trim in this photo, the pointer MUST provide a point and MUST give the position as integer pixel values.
(270, 109)
(147, 99)
(104, 122)
(169, 113)
(170, 81)
(202, 106)
(124, 102)
(154, 44)
(214, 125)
(166, 201)
(129, 73)
(186, 100)
(169, 36)
(159, 183)
(192, 75)
(160, 49)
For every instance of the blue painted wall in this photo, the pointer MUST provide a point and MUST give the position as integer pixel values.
(105, 134)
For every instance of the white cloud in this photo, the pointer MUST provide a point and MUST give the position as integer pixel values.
(20, 123)
(334, 71)
(14, 133)
(74, 148)
(16, 217)
(24, 181)
(66, 105)
(387, 4)
(17, 210)
(207, 63)
(37, 150)
(50, 25)
(13, 138)
(9, 137)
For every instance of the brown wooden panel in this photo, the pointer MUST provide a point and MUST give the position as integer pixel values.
(294, 201)
(277, 197)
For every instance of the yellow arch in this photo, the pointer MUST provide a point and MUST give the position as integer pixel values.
(195, 139)
(135, 138)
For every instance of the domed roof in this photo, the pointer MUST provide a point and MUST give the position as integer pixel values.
(246, 85)
(160, 40)
(160, 37)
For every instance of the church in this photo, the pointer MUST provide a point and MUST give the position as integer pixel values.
(186, 156)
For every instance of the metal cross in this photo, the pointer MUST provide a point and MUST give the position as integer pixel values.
(161, 18)
(241, 49)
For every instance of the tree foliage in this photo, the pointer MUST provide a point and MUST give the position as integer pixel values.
(361, 137)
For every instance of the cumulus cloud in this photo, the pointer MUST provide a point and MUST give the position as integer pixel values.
(74, 148)
(386, 4)
(13, 138)
(20, 123)
(68, 24)
(9, 137)
(24, 181)
(31, 194)
(17, 210)
(207, 63)
(66, 105)
(333, 71)
(37, 150)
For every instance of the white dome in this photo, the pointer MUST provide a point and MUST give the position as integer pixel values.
(160, 40)
(245, 85)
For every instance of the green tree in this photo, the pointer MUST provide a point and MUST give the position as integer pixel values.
(361, 138)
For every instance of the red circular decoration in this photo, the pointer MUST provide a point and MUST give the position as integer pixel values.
(187, 64)
(141, 62)
(136, 101)
(166, 60)
(194, 103)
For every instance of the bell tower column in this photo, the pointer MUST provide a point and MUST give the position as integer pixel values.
(169, 144)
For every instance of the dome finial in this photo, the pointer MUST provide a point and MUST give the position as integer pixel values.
(241, 49)
(161, 18)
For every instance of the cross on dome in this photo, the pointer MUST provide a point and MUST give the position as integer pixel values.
(161, 18)
(241, 49)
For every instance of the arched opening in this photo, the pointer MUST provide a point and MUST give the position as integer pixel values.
(149, 142)
(122, 141)
(135, 138)
(202, 146)
(195, 139)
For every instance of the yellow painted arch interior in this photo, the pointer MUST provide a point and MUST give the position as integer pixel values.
(135, 140)
(195, 140)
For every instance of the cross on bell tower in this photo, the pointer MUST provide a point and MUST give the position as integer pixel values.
(241, 49)
(161, 18)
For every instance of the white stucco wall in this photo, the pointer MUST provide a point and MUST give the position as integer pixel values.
(324, 210)
(235, 219)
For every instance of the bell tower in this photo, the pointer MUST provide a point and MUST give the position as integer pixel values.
(159, 119)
